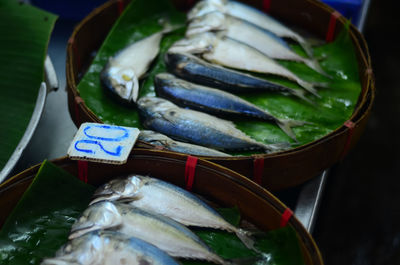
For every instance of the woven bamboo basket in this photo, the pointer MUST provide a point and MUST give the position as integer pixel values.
(215, 183)
(275, 171)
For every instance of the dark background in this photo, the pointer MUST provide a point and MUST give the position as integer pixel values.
(359, 218)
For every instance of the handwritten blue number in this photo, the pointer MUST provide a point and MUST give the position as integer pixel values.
(107, 127)
(117, 151)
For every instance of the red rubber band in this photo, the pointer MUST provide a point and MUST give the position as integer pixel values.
(266, 5)
(287, 214)
(83, 170)
(190, 170)
(331, 26)
(350, 125)
(258, 170)
(120, 6)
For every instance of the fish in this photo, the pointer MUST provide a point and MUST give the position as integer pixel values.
(251, 14)
(164, 141)
(216, 48)
(122, 72)
(164, 198)
(163, 232)
(197, 127)
(250, 34)
(215, 101)
(196, 70)
(109, 248)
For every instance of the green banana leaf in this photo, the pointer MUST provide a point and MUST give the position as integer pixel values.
(335, 106)
(24, 36)
(40, 223)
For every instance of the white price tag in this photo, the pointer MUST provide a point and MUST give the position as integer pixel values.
(103, 143)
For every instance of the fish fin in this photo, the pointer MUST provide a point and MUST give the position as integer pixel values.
(286, 126)
(247, 240)
(277, 147)
(322, 84)
(309, 87)
(307, 48)
(135, 89)
(314, 64)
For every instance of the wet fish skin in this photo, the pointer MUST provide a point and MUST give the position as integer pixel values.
(163, 232)
(196, 70)
(108, 248)
(235, 54)
(164, 198)
(250, 14)
(250, 34)
(215, 101)
(164, 141)
(197, 127)
(122, 72)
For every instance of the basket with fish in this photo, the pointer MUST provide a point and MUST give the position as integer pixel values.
(158, 208)
(277, 94)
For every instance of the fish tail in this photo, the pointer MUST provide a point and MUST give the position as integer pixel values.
(302, 94)
(286, 126)
(314, 64)
(309, 87)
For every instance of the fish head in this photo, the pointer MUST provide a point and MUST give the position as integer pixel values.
(195, 44)
(121, 81)
(86, 249)
(213, 21)
(153, 106)
(101, 215)
(207, 6)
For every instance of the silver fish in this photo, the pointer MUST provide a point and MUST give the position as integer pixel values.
(164, 141)
(109, 248)
(163, 232)
(122, 72)
(163, 198)
(250, 34)
(215, 102)
(252, 15)
(234, 54)
(196, 127)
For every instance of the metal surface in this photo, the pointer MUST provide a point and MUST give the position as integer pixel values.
(51, 84)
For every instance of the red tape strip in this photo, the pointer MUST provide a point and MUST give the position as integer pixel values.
(190, 170)
(120, 6)
(331, 26)
(266, 5)
(287, 214)
(83, 170)
(350, 125)
(258, 170)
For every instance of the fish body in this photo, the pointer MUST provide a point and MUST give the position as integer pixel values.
(164, 141)
(235, 54)
(214, 101)
(109, 248)
(163, 232)
(196, 70)
(197, 127)
(163, 198)
(250, 34)
(122, 72)
(252, 15)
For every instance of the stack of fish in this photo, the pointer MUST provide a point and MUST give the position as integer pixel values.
(224, 41)
(142, 220)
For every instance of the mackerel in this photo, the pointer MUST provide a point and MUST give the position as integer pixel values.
(196, 70)
(197, 127)
(252, 15)
(109, 248)
(235, 54)
(163, 232)
(164, 141)
(215, 101)
(163, 198)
